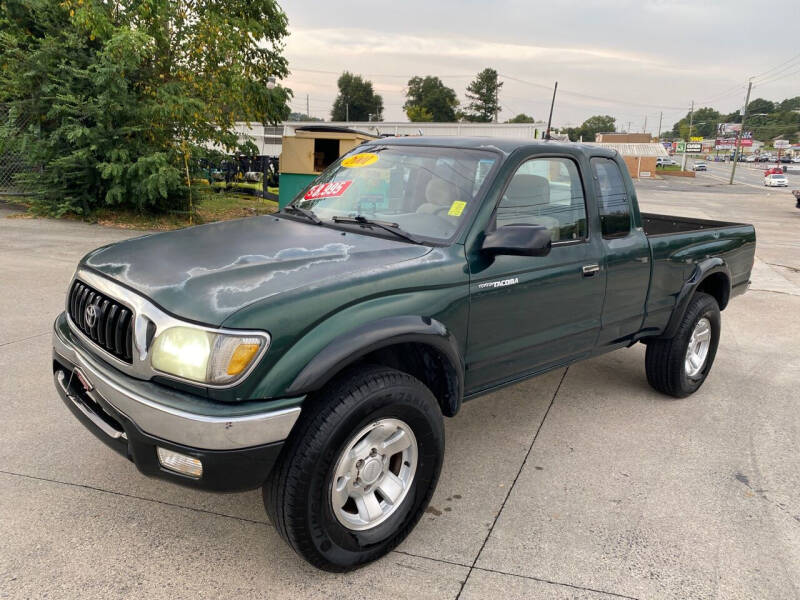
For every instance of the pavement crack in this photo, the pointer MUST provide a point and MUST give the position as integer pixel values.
(513, 483)
(124, 495)
(38, 335)
(794, 269)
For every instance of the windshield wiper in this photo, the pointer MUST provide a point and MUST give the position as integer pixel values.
(303, 212)
(385, 225)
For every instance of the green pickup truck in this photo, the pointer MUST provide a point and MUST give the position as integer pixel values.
(315, 352)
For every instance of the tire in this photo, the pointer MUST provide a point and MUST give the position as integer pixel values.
(299, 496)
(666, 364)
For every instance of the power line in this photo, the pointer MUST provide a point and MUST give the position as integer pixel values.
(786, 62)
(779, 77)
(601, 99)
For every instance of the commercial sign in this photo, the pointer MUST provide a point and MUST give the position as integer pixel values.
(694, 147)
(680, 146)
(730, 143)
(696, 138)
(781, 144)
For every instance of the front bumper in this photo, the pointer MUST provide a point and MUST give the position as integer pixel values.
(237, 444)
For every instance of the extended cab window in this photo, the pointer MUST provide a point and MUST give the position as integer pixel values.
(612, 198)
(547, 192)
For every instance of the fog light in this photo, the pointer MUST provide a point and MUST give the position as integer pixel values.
(180, 463)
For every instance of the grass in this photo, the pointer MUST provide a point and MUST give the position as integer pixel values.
(210, 206)
(668, 168)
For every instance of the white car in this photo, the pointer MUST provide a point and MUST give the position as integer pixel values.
(776, 180)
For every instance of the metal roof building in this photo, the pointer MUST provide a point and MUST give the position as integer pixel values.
(634, 149)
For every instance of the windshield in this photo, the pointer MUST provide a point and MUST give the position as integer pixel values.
(428, 192)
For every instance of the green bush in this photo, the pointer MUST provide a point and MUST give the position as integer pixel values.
(122, 98)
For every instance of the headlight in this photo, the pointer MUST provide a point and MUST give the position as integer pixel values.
(205, 356)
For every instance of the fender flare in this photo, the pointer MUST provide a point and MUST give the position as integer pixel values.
(701, 272)
(347, 348)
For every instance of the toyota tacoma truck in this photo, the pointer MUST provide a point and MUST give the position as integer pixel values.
(315, 352)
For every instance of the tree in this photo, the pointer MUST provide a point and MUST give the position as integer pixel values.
(483, 93)
(126, 95)
(429, 97)
(521, 118)
(357, 101)
(790, 104)
(295, 116)
(419, 114)
(704, 124)
(760, 106)
(590, 127)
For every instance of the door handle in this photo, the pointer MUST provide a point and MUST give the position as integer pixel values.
(590, 270)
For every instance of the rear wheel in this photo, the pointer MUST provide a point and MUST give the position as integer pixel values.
(358, 469)
(678, 366)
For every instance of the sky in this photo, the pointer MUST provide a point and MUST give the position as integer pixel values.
(630, 59)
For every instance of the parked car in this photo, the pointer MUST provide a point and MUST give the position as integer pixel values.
(751, 158)
(776, 170)
(775, 180)
(315, 352)
(699, 166)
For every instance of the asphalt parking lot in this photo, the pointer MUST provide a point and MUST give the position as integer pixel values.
(582, 483)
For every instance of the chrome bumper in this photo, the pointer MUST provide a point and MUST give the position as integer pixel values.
(172, 415)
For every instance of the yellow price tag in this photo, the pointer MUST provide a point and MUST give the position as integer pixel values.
(362, 159)
(456, 208)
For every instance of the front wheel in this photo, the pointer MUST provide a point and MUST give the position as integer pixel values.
(358, 470)
(678, 366)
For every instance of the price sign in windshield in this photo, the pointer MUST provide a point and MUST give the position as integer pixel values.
(332, 189)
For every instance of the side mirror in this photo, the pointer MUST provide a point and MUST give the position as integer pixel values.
(518, 240)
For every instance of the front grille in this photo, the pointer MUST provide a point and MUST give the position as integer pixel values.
(109, 324)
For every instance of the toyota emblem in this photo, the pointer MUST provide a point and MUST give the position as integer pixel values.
(91, 315)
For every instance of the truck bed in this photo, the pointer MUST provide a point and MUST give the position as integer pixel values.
(665, 224)
(677, 244)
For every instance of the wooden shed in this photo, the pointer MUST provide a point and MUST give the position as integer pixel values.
(309, 150)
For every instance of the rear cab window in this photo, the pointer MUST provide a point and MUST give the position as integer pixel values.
(613, 203)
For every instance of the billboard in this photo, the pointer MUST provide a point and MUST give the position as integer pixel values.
(694, 147)
(727, 129)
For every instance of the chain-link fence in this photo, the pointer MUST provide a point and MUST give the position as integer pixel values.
(15, 169)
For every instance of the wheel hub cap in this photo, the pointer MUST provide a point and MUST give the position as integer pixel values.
(697, 350)
(373, 474)
(371, 471)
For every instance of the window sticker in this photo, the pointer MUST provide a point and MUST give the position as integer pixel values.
(332, 189)
(362, 159)
(456, 208)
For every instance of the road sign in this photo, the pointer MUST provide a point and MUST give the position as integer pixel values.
(694, 147)
(781, 144)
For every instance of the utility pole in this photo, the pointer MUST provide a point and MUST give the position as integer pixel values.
(347, 112)
(496, 97)
(691, 122)
(308, 110)
(660, 116)
(739, 135)
(550, 118)
(628, 129)
(644, 129)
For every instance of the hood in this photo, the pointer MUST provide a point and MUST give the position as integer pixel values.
(207, 273)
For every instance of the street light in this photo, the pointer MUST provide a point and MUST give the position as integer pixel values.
(270, 86)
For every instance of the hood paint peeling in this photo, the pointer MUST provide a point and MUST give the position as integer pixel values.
(207, 273)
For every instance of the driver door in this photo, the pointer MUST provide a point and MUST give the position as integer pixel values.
(531, 313)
